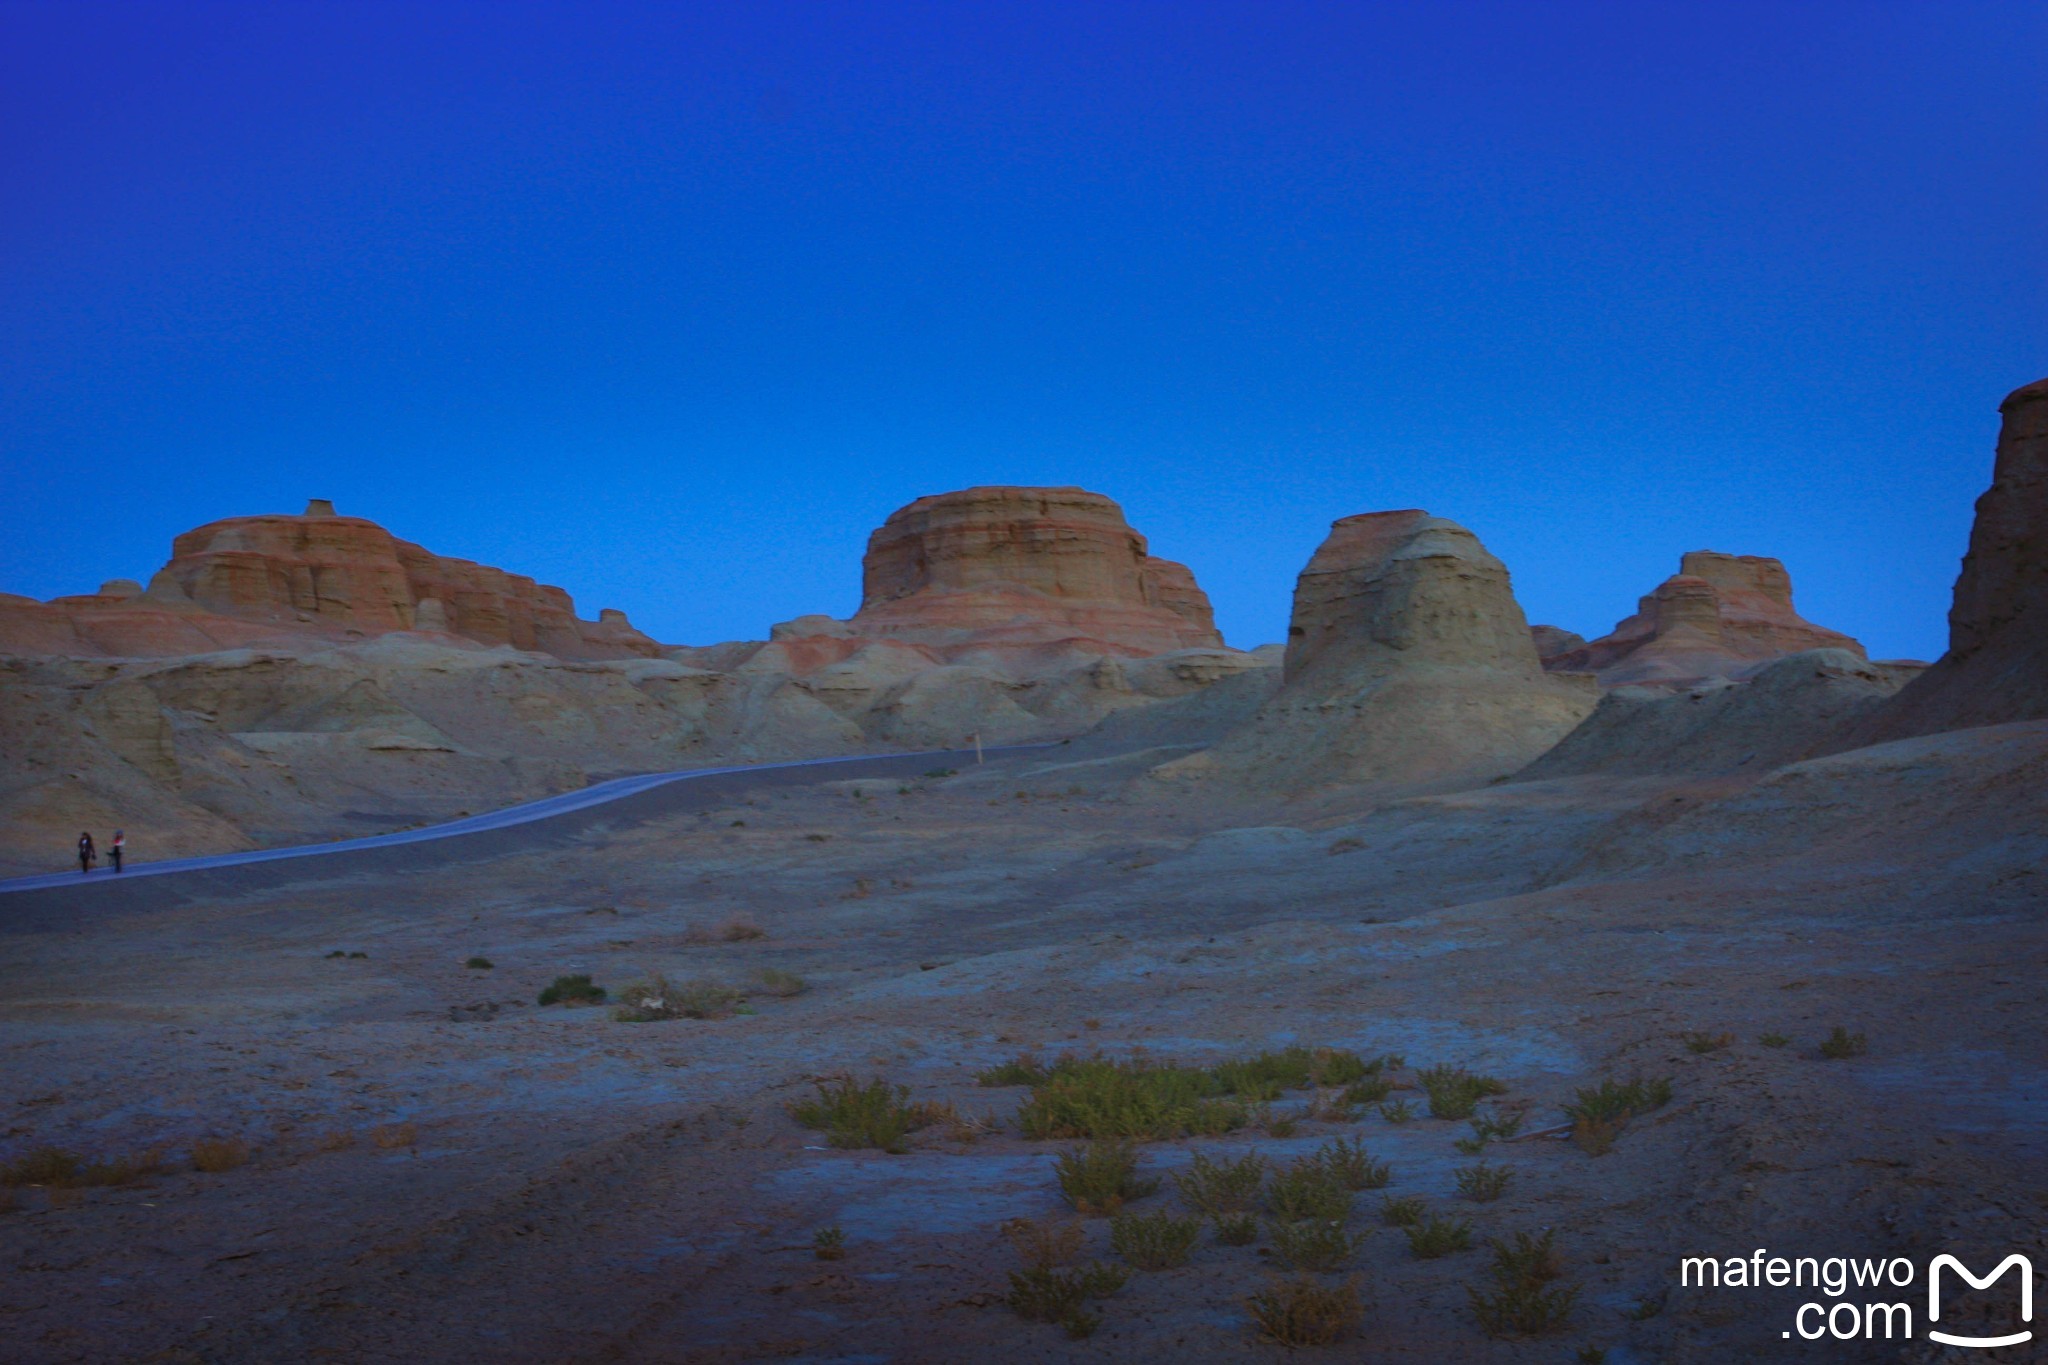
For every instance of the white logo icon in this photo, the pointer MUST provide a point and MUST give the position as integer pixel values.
(2026, 1268)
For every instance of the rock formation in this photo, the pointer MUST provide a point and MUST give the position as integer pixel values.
(1409, 666)
(273, 580)
(1788, 710)
(1720, 616)
(1996, 667)
(1030, 566)
(281, 671)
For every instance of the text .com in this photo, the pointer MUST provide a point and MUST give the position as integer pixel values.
(1879, 1312)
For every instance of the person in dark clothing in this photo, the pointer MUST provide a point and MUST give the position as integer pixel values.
(85, 853)
(114, 849)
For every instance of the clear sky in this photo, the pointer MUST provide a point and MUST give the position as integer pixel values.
(671, 304)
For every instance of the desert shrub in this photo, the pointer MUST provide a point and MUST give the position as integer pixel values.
(1595, 1137)
(657, 998)
(1843, 1044)
(1304, 1312)
(854, 1115)
(1404, 1212)
(58, 1169)
(1773, 1039)
(1527, 1260)
(1498, 1124)
(1330, 1106)
(1400, 1111)
(1482, 1183)
(572, 990)
(1346, 845)
(1307, 1189)
(1046, 1295)
(1282, 1127)
(1620, 1099)
(1266, 1075)
(1080, 1324)
(1314, 1244)
(215, 1155)
(1218, 1187)
(781, 984)
(339, 1140)
(1470, 1146)
(1522, 1309)
(1599, 1113)
(1370, 1090)
(1706, 1042)
(43, 1166)
(1041, 1246)
(1454, 1092)
(1154, 1241)
(1096, 1097)
(1236, 1229)
(1432, 1237)
(359, 955)
(122, 1170)
(736, 929)
(1102, 1177)
(1023, 1069)
(1350, 1165)
(479, 964)
(394, 1135)
(829, 1244)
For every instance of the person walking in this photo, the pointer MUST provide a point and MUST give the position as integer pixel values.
(85, 853)
(114, 849)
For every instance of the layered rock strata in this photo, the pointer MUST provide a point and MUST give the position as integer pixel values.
(1719, 616)
(1409, 666)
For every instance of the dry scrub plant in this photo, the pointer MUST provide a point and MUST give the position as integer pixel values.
(572, 990)
(657, 999)
(1102, 1177)
(1432, 1237)
(1482, 1184)
(1599, 1113)
(1842, 1044)
(1154, 1241)
(215, 1155)
(1315, 1244)
(1217, 1187)
(1043, 1246)
(872, 1115)
(1524, 1301)
(1454, 1092)
(1303, 1312)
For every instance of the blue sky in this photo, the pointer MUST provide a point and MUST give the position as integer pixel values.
(671, 304)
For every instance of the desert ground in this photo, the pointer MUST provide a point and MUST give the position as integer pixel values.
(437, 1168)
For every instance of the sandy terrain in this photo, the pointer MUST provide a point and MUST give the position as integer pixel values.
(558, 1186)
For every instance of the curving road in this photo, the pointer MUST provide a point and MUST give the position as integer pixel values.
(549, 808)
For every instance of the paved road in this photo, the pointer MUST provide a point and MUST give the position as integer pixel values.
(601, 800)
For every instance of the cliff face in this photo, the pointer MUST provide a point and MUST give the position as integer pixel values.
(1720, 616)
(1409, 666)
(1026, 566)
(1996, 667)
